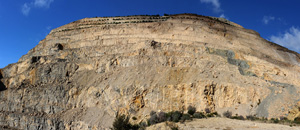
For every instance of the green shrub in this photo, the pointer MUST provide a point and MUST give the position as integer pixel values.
(238, 117)
(241, 118)
(186, 117)
(174, 116)
(191, 110)
(216, 114)
(263, 118)
(297, 120)
(207, 110)
(152, 113)
(157, 118)
(274, 120)
(161, 117)
(227, 114)
(199, 115)
(142, 125)
(122, 123)
(283, 118)
(209, 115)
(153, 118)
(252, 118)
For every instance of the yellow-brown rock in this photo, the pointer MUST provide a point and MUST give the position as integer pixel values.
(83, 73)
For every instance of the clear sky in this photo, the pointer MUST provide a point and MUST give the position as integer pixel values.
(23, 23)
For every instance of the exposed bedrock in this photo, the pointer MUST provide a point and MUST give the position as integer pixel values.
(84, 73)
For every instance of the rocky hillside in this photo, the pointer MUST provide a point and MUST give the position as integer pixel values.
(84, 73)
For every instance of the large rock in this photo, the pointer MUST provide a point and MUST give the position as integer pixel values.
(83, 73)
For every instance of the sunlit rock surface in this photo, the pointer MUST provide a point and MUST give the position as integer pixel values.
(84, 73)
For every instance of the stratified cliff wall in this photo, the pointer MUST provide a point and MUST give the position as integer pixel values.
(83, 73)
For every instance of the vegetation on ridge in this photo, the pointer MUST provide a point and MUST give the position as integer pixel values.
(281, 120)
(121, 122)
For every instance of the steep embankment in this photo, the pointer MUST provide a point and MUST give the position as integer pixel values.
(84, 72)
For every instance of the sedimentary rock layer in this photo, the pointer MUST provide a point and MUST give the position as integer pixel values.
(84, 73)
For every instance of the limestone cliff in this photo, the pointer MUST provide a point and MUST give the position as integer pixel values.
(84, 72)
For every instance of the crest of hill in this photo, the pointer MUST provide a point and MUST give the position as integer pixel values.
(145, 19)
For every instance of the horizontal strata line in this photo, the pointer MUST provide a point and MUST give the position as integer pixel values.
(85, 26)
(149, 18)
(183, 24)
(102, 33)
(172, 47)
(131, 52)
(139, 39)
(120, 55)
(154, 55)
(95, 47)
(135, 52)
(121, 22)
(92, 43)
(133, 38)
(122, 35)
(37, 114)
(97, 25)
(128, 50)
(115, 45)
(99, 36)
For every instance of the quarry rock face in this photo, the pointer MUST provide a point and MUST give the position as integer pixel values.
(84, 73)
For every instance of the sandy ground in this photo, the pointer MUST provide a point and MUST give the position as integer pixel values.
(224, 124)
(230, 124)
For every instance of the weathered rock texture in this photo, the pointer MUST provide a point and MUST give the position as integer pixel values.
(84, 72)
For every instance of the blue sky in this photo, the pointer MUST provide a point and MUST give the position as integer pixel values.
(23, 23)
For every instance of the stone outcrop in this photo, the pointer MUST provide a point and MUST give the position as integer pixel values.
(85, 72)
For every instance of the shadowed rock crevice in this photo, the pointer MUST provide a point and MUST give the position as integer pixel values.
(2, 86)
(209, 93)
(35, 59)
(155, 44)
(59, 47)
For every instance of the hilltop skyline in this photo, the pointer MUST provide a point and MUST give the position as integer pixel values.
(24, 23)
